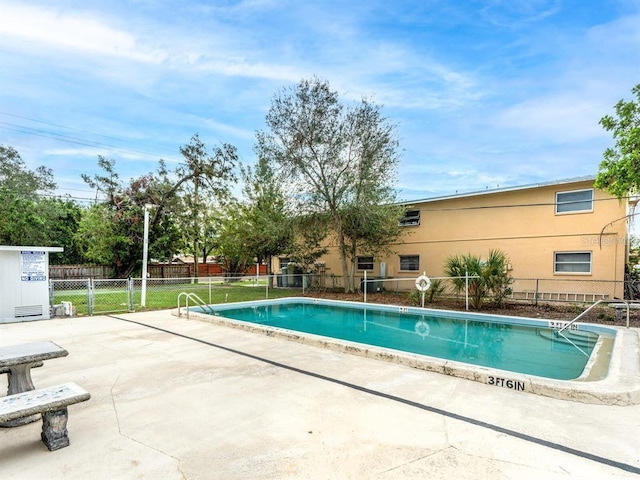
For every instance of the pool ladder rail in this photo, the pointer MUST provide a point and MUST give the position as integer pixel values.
(613, 303)
(196, 299)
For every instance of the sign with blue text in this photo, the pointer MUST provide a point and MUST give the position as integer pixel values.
(33, 266)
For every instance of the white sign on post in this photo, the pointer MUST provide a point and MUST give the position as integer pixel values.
(33, 266)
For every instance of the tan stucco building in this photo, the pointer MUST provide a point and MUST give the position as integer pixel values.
(562, 238)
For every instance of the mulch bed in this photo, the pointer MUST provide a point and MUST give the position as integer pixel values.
(604, 315)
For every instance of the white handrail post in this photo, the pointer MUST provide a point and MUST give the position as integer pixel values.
(466, 288)
(145, 253)
(365, 286)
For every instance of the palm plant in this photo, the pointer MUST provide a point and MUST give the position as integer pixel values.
(486, 278)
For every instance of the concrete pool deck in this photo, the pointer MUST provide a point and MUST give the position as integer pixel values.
(183, 399)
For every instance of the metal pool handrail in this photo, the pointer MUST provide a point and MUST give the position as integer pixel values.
(579, 316)
(196, 298)
(612, 303)
(618, 304)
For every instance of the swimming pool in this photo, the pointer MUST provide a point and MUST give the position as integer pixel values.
(511, 352)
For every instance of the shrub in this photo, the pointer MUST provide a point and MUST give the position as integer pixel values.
(435, 291)
(488, 279)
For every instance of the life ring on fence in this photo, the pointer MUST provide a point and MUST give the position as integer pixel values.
(423, 283)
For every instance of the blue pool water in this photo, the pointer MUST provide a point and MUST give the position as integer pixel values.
(490, 341)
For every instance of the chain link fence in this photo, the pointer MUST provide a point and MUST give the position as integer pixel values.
(101, 296)
(562, 290)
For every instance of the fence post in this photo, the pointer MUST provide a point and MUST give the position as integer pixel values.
(365, 286)
(466, 289)
(131, 295)
(535, 295)
(89, 296)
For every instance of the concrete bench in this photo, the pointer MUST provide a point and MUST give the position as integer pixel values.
(52, 403)
(7, 369)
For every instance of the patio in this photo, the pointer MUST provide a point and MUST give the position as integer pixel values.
(182, 399)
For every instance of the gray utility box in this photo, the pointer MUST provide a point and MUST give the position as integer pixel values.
(373, 285)
(24, 283)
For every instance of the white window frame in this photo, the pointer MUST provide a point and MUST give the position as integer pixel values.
(283, 262)
(588, 210)
(412, 221)
(410, 270)
(364, 259)
(555, 262)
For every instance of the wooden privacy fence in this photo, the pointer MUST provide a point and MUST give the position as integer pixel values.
(186, 270)
(157, 270)
(169, 271)
(64, 272)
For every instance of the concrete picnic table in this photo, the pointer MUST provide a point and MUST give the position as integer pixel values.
(17, 360)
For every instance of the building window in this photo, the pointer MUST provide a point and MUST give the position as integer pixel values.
(284, 261)
(365, 263)
(411, 218)
(572, 262)
(574, 201)
(409, 262)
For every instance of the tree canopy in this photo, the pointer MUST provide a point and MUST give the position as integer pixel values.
(203, 181)
(325, 173)
(340, 160)
(619, 171)
(181, 203)
(111, 231)
(29, 214)
(267, 218)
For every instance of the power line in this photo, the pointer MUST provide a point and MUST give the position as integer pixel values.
(69, 139)
(158, 148)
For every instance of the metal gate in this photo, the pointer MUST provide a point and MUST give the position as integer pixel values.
(94, 296)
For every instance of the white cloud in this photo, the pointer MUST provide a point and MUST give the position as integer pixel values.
(514, 14)
(40, 29)
(46, 26)
(559, 118)
(513, 104)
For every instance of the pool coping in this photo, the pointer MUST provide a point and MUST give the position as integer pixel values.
(621, 385)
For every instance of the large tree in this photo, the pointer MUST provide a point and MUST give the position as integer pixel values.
(232, 240)
(180, 202)
(111, 231)
(340, 159)
(266, 216)
(204, 181)
(619, 171)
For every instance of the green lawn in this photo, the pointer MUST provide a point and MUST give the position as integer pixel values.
(111, 300)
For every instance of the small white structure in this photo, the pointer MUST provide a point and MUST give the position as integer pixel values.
(24, 283)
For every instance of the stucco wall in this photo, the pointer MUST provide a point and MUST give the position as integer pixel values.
(521, 222)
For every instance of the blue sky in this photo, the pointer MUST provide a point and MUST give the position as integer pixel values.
(485, 93)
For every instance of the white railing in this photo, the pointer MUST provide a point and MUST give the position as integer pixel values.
(196, 298)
